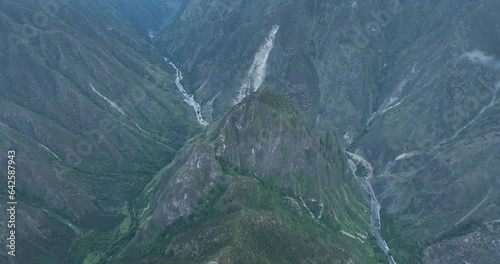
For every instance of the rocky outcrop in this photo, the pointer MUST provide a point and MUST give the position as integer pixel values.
(414, 85)
(264, 139)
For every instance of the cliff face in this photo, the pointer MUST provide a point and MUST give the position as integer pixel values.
(259, 164)
(413, 86)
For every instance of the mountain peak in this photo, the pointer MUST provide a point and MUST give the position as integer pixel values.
(261, 143)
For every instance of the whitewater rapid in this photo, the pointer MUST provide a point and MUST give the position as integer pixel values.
(364, 183)
(188, 98)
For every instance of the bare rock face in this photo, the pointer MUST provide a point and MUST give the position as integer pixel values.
(262, 140)
(480, 246)
(268, 136)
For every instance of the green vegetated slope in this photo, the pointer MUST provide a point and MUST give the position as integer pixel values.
(93, 114)
(294, 200)
(447, 122)
(416, 91)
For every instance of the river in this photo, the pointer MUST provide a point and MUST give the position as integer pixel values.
(366, 187)
(188, 98)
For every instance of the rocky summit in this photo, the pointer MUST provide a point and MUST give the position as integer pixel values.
(256, 182)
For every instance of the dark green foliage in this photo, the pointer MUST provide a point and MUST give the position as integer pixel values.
(282, 237)
(82, 160)
(361, 171)
(231, 169)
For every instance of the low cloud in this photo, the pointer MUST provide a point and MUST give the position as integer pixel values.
(477, 56)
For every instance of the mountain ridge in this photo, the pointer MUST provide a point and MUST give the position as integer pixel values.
(214, 161)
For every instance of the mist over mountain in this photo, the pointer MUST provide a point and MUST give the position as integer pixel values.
(264, 131)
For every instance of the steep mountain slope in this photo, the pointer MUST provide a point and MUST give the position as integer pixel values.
(93, 113)
(256, 187)
(435, 136)
(313, 57)
(413, 86)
